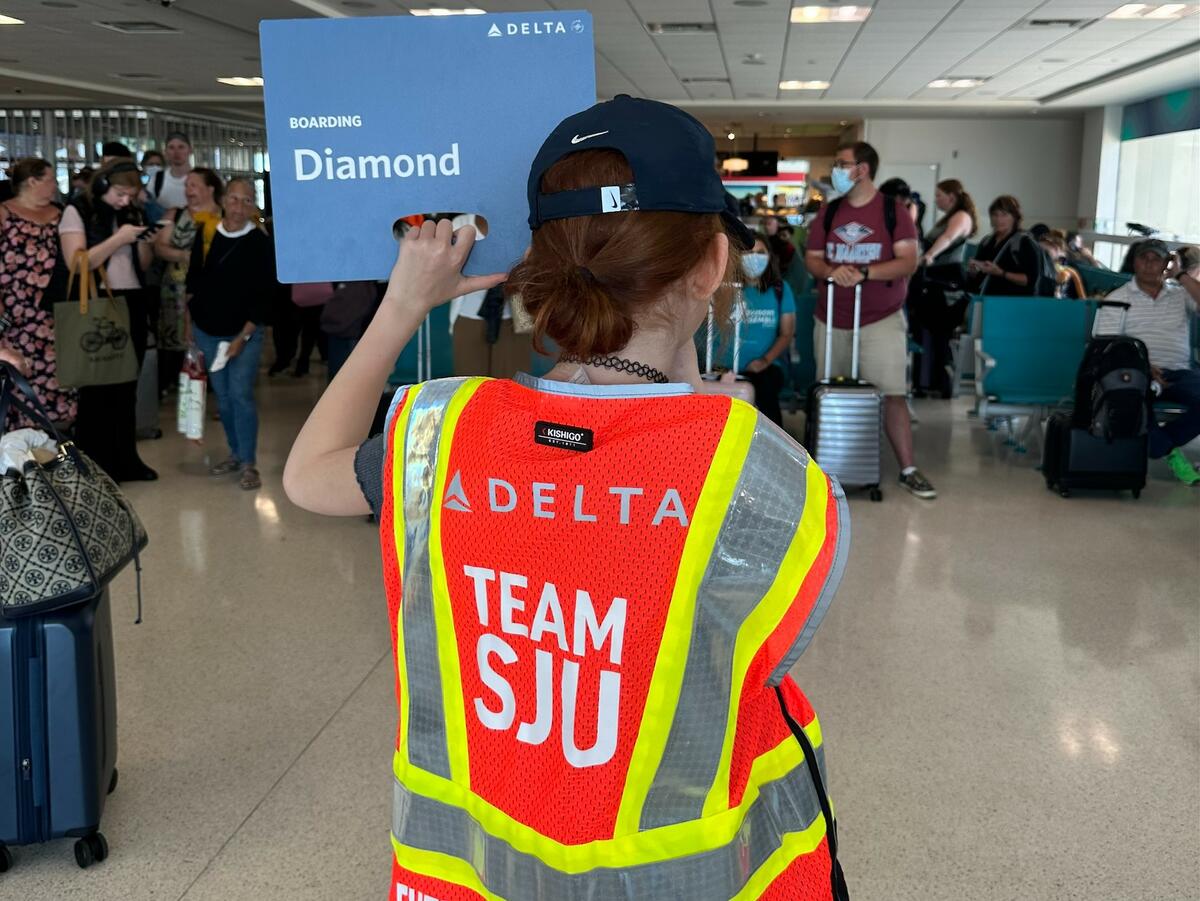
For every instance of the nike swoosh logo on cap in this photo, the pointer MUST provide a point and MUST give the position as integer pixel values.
(579, 139)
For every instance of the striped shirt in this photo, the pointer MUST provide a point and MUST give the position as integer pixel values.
(1160, 322)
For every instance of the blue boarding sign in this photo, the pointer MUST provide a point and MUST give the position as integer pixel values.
(373, 119)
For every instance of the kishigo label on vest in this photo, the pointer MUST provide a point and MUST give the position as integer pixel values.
(372, 119)
(571, 437)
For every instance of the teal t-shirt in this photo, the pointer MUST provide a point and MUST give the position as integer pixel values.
(760, 326)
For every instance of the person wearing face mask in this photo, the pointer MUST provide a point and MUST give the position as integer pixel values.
(106, 222)
(768, 325)
(865, 238)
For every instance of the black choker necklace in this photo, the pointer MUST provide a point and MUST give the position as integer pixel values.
(641, 370)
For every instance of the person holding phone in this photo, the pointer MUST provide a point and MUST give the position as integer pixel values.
(106, 222)
(1008, 260)
(228, 290)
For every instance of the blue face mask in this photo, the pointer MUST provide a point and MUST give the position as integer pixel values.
(842, 182)
(754, 264)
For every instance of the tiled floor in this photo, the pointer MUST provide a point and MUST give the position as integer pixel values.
(1008, 682)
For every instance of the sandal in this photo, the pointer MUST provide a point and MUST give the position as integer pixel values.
(251, 479)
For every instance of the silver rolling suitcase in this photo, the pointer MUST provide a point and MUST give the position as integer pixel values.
(842, 428)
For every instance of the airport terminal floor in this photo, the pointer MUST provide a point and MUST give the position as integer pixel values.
(1006, 684)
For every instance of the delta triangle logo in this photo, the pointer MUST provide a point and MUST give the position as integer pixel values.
(495, 32)
(456, 498)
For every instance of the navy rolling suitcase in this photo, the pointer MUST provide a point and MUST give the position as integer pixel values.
(58, 728)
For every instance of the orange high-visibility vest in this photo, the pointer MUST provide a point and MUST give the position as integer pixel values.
(595, 601)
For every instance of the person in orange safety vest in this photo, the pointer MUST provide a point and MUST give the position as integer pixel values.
(597, 580)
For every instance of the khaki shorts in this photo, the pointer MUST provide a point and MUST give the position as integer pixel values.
(882, 357)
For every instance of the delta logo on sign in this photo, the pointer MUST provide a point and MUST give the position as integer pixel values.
(353, 155)
(513, 29)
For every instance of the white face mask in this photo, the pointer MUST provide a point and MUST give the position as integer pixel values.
(150, 171)
(754, 264)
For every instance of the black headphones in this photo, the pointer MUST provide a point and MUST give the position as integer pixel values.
(101, 181)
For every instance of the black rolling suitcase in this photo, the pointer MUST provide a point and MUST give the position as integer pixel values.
(1104, 442)
(58, 728)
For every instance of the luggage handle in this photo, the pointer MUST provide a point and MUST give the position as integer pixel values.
(1122, 305)
(829, 332)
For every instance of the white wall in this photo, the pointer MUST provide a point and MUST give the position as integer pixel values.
(1036, 159)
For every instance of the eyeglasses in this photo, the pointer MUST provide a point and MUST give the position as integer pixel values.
(844, 164)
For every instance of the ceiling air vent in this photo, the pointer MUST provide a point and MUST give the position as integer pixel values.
(135, 27)
(704, 79)
(662, 28)
(1056, 23)
(137, 76)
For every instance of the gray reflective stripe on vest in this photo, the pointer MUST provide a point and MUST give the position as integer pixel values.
(426, 715)
(786, 805)
(746, 558)
(841, 552)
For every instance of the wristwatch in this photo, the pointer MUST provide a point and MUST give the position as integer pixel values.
(866, 272)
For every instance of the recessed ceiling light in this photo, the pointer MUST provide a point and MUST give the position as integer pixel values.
(1150, 11)
(817, 15)
(957, 82)
(803, 85)
(10, 20)
(242, 81)
(731, 136)
(442, 11)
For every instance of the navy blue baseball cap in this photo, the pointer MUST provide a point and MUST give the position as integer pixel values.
(671, 154)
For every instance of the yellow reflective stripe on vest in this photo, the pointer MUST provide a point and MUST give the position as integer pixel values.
(806, 544)
(746, 560)
(397, 435)
(423, 734)
(447, 642)
(476, 845)
(663, 696)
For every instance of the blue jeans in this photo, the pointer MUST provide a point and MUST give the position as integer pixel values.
(234, 387)
(1183, 388)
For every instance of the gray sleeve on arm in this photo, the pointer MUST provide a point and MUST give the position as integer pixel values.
(368, 469)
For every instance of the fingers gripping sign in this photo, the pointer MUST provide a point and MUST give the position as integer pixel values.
(429, 262)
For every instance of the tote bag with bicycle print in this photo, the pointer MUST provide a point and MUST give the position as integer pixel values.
(91, 337)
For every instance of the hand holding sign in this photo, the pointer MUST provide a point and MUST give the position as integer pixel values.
(428, 269)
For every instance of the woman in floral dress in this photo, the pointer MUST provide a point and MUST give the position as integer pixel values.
(28, 253)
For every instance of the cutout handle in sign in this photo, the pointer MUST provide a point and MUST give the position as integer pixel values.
(405, 224)
(425, 113)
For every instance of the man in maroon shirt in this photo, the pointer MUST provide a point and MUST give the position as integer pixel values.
(861, 248)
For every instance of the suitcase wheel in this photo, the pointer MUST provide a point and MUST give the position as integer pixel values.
(1137, 493)
(876, 494)
(112, 783)
(1063, 492)
(6, 859)
(91, 849)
